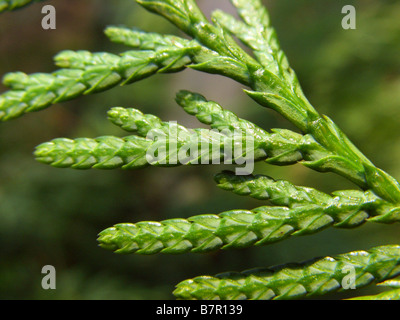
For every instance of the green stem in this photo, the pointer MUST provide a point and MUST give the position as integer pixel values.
(284, 193)
(244, 228)
(314, 278)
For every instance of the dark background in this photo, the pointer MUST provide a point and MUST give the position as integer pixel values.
(52, 216)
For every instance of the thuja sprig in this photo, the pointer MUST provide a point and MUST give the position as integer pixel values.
(205, 233)
(83, 73)
(9, 5)
(284, 193)
(131, 152)
(156, 143)
(305, 211)
(271, 82)
(280, 147)
(278, 192)
(317, 277)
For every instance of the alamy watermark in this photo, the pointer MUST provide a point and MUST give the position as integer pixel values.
(49, 20)
(349, 21)
(349, 280)
(49, 280)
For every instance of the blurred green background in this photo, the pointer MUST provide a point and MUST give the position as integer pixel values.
(52, 216)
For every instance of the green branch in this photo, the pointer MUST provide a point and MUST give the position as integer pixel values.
(281, 147)
(84, 73)
(199, 146)
(158, 144)
(317, 277)
(231, 229)
(272, 83)
(284, 193)
(309, 211)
